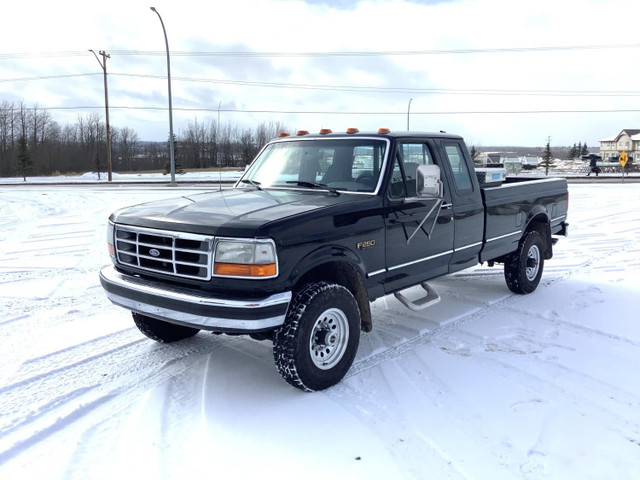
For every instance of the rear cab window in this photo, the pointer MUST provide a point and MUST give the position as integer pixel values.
(459, 168)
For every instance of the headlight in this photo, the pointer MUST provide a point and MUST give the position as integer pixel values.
(112, 252)
(245, 259)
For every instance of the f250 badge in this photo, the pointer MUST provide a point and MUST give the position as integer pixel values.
(365, 244)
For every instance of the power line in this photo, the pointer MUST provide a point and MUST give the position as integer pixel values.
(325, 112)
(403, 90)
(356, 88)
(47, 77)
(375, 53)
(372, 53)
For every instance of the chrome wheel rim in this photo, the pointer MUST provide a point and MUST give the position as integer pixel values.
(329, 338)
(533, 263)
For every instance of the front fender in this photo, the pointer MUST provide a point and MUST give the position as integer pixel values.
(325, 255)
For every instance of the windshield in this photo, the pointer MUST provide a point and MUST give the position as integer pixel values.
(341, 164)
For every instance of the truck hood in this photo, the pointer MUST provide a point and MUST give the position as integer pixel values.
(236, 212)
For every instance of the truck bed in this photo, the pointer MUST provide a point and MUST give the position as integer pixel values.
(511, 206)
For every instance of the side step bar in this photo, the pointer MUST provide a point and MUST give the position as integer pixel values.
(431, 298)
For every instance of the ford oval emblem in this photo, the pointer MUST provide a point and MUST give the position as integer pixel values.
(153, 252)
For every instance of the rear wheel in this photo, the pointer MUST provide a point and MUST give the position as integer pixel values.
(523, 268)
(318, 341)
(163, 332)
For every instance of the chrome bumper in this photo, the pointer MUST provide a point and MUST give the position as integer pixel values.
(181, 306)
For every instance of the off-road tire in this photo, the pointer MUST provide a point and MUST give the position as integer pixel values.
(316, 345)
(160, 331)
(523, 268)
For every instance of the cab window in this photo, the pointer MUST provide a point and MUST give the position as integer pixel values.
(403, 177)
(461, 175)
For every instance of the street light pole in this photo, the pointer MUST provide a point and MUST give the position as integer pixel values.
(408, 111)
(103, 64)
(171, 147)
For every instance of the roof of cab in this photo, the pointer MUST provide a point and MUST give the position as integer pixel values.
(391, 134)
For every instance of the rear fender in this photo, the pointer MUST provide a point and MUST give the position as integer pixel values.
(541, 224)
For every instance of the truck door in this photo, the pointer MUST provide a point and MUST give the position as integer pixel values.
(468, 212)
(427, 254)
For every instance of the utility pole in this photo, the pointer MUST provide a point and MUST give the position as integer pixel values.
(408, 112)
(103, 64)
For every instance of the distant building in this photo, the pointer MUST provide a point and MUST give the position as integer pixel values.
(627, 140)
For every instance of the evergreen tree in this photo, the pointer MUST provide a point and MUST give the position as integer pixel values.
(24, 158)
(578, 149)
(98, 164)
(167, 166)
(585, 150)
(573, 152)
(547, 157)
(474, 155)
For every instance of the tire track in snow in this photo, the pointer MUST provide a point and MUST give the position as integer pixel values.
(39, 415)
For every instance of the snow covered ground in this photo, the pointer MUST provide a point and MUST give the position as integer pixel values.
(92, 177)
(485, 385)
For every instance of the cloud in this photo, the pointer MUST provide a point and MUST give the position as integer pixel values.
(478, 58)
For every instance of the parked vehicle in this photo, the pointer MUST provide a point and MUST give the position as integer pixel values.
(318, 227)
(530, 162)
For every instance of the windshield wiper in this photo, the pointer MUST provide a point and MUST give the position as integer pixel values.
(253, 183)
(324, 186)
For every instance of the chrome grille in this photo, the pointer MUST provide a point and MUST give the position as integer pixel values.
(173, 253)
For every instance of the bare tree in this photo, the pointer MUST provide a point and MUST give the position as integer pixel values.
(125, 141)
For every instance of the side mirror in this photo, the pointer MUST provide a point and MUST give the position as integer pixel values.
(428, 183)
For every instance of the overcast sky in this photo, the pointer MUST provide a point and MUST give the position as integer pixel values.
(458, 60)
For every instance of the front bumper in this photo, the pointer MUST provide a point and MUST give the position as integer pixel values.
(184, 307)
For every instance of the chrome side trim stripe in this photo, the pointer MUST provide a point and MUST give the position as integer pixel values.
(420, 260)
(504, 236)
(467, 246)
(377, 272)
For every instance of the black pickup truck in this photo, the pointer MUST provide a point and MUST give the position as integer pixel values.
(318, 227)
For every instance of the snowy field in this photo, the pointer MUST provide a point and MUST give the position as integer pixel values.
(93, 177)
(485, 385)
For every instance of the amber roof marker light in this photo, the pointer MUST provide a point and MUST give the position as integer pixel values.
(352, 130)
(384, 131)
(325, 131)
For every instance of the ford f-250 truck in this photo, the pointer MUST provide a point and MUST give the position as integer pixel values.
(318, 227)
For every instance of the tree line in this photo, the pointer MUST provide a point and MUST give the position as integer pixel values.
(578, 150)
(33, 143)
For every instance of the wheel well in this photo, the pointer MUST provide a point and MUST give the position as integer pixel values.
(540, 224)
(348, 276)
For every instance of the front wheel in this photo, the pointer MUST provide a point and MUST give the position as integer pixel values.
(523, 268)
(318, 341)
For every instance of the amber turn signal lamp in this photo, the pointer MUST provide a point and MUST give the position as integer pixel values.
(242, 270)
